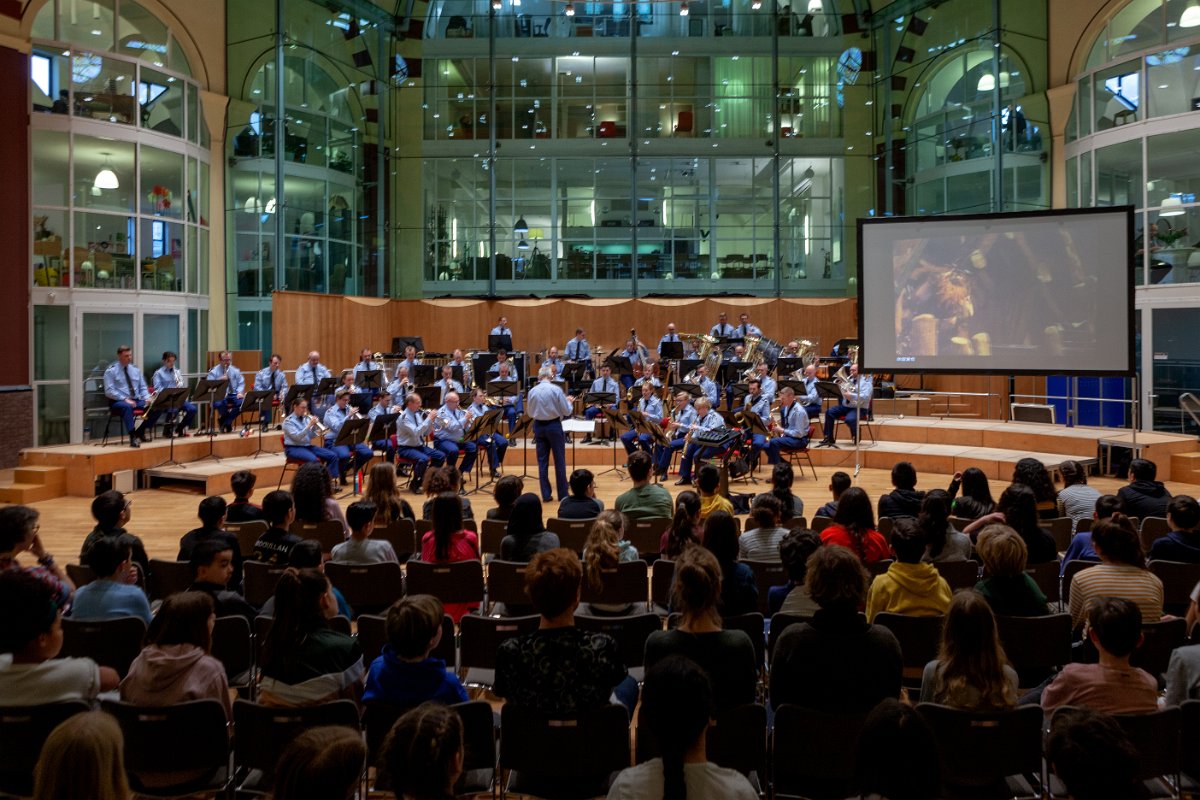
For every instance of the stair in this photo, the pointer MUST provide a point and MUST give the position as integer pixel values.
(1185, 467)
(32, 484)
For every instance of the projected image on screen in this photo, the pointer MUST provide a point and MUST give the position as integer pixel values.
(1040, 293)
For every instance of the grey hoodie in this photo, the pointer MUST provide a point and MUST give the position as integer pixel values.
(175, 673)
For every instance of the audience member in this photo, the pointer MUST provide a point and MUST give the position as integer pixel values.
(312, 495)
(241, 509)
(505, 493)
(1080, 548)
(1121, 572)
(1143, 496)
(360, 548)
(381, 490)
(727, 657)
(839, 482)
(782, 479)
(677, 707)
(274, 546)
(943, 542)
(112, 513)
(708, 482)
(560, 669)
(792, 597)
(212, 568)
(1018, 510)
(449, 542)
(897, 757)
(445, 478)
(114, 593)
(30, 672)
(739, 590)
(322, 763)
(83, 759)
(1076, 499)
(1183, 675)
(970, 671)
(304, 661)
(646, 499)
(1033, 473)
(1183, 542)
(423, 753)
(175, 665)
(213, 513)
(582, 502)
(405, 674)
(854, 528)
(1009, 590)
(19, 533)
(976, 497)
(761, 543)
(905, 499)
(527, 535)
(307, 554)
(837, 662)
(910, 586)
(602, 551)
(1093, 757)
(686, 526)
(1113, 685)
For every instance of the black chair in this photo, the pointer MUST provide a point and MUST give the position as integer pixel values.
(623, 585)
(1189, 745)
(506, 585)
(1046, 577)
(247, 534)
(480, 638)
(630, 633)
(780, 623)
(233, 646)
(263, 732)
(491, 534)
(737, 739)
(662, 576)
(1060, 529)
(80, 575)
(959, 574)
(1178, 580)
(821, 523)
(646, 535)
(110, 643)
(367, 587)
(153, 738)
(23, 731)
(919, 639)
(1159, 639)
(988, 754)
(1152, 528)
(401, 534)
(457, 582)
(572, 533)
(879, 567)
(167, 577)
(753, 626)
(1156, 737)
(1073, 568)
(1036, 646)
(258, 581)
(372, 636)
(329, 533)
(767, 575)
(813, 752)
(575, 755)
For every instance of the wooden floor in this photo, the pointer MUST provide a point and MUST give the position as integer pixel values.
(162, 516)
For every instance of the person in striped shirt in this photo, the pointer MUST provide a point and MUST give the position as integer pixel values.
(1121, 572)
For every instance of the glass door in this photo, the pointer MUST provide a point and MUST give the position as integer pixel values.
(101, 335)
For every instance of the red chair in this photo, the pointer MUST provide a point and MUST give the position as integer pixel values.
(686, 123)
(607, 130)
(138, 413)
(295, 463)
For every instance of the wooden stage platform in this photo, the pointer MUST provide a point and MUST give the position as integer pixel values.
(932, 444)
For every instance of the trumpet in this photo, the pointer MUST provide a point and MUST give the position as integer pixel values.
(319, 428)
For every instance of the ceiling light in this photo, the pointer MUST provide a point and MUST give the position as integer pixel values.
(815, 6)
(1190, 17)
(1171, 207)
(569, 10)
(987, 83)
(495, 5)
(522, 245)
(755, 5)
(683, 9)
(522, 227)
(106, 178)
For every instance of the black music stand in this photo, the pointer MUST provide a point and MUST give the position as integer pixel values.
(210, 387)
(572, 373)
(253, 401)
(658, 434)
(456, 372)
(523, 426)
(500, 341)
(621, 366)
(618, 423)
(786, 365)
(736, 392)
(382, 427)
(352, 433)
(752, 423)
(305, 390)
(169, 401)
(480, 427)
(601, 399)
(369, 380)
(431, 396)
(670, 351)
(423, 374)
(688, 365)
(401, 343)
(691, 388)
(326, 386)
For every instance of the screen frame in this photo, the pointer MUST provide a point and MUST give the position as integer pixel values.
(1129, 370)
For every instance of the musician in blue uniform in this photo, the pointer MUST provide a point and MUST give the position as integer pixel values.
(495, 444)
(548, 406)
(604, 383)
(553, 359)
(169, 377)
(410, 359)
(856, 394)
(647, 375)
(299, 429)
(125, 388)
(458, 359)
(449, 427)
(401, 385)
(769, 386)
(791, 432)
(746, 328)
(383, 405)
(811, 399)
(708, 386)
(312, 372)
(630, 352)
(512, 404)
(366, 364)
(706, 420)
(502, 328)
(757, 403)
(514, 374)
(271, 378)
(737, 359)
(411, 429)
(651, 408)
(669, 336)
(229, 406)
(447, 383)
(722, 330)
(335, 418)
(578, 348)
(682, 417)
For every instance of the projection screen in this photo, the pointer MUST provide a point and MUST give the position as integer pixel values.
(1038, 292)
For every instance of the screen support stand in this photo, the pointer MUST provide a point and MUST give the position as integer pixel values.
(858, 422)
(1137, 407)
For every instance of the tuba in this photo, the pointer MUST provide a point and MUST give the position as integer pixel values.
(842, 378)
(807, 355)
(752, 355)
(710, 354)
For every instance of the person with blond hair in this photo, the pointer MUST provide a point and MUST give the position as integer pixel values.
(1007, 587)
(381, 490)
(603, 550)
(83, 759)
(970, 671)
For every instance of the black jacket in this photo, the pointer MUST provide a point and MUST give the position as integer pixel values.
(901, 503)
(1143, 499)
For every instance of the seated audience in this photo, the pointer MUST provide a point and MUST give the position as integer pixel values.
(582, 502)
(424, 753)
(307, 554)
(1121, 572)
(449, 542)
(112, 513)
(1033, 473)
(1143, 496)
(321, 763)
(212, 569)
(505, 493)
(30, 672)
(761, 543)
(560, 669)
(897, 757)
(83, 759)
(360, 548)
(1080, 548)
(241, 509)
(686, 526)
(175, 665)
(970, 671)
(1183, 675)
(19, 533)
(910, 586)
(727, 657)
(1009, 590)
(976, 497)
(445, 479)
(1113, 685)
(1183, 542)
(312, 495)
(837, 662)
(381, 490)
(646, 499)
(527, 535)
(943, 542)
(1076, 499)
(782, 479)
(677, 707)
(1018, 510)
(114, 593)
(304, 661)
(792, 597)
(854, 528)
(405, 674)
(1092, 756)
(839, 482)
(603, 550)
(905, 499)
(274, 546)
(739, 590)
(708, 482)
(213, 514)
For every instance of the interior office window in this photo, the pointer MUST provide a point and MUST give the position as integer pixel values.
(40, 71)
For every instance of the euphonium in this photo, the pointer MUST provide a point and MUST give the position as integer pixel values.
(752, 355)
(842, 378)
(807, 355)
(710, 354)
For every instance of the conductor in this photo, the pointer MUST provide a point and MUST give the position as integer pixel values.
(548, 406)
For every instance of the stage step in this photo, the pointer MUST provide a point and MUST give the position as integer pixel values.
(1185, 467)
(32, 484)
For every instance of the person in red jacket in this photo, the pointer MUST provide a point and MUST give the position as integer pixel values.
(854, 528)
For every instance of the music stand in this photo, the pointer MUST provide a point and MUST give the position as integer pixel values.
(523, 425)
(353, 432)
(658, 434)
(503, 389)
(482, 426)
(691, 388)
(499, 341)
(400, 343)
(326, 386)
(795, 386)
(573, 372)
(731, 372)
(361, 401)
(737, 391)
(382, 427)
(786, 365)
(431, 396)
(169, 401)
(369, 380)
(670, 351)
(423, 374)
(210, 387)
(456, 372)
(618, 423)
(254, 400)
(689, 365)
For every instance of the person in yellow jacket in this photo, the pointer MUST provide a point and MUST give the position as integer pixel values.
(909, 586)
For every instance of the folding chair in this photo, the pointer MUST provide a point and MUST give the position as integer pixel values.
(479, 640)
(623, 585)
(1036, 646)
(247, 534)
(630, 633)
(401, 534)
(367, 587)
(821, 523)
(1060, 529)
(570, 756)
(1178, 580)
(813, 752)
(646, 535)
(1072, 568)
(263, 732)
(767, 575)
(959, 574)
(752, 625)
(233, 646)
(457, 582)
(372, 636)
(153, 738)
(258, 581)
(865, 418)
(23, 731)
(884, 526)
(1152, 528)
(737, 739)
(167, 577)
(1160, 637)
(506, 586)
(289, 463)
(110, 642)
(329, 533)
(572, 533)
(1189, 746)
(1156, 737)
(919, 639)
(1046, 578)
(491, 534)
(662, 576)
(80, 575)
(988, 754)
(780, 623)
(793, 457)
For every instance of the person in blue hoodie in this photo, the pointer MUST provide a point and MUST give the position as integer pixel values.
(1183, 542)
(404, 674)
